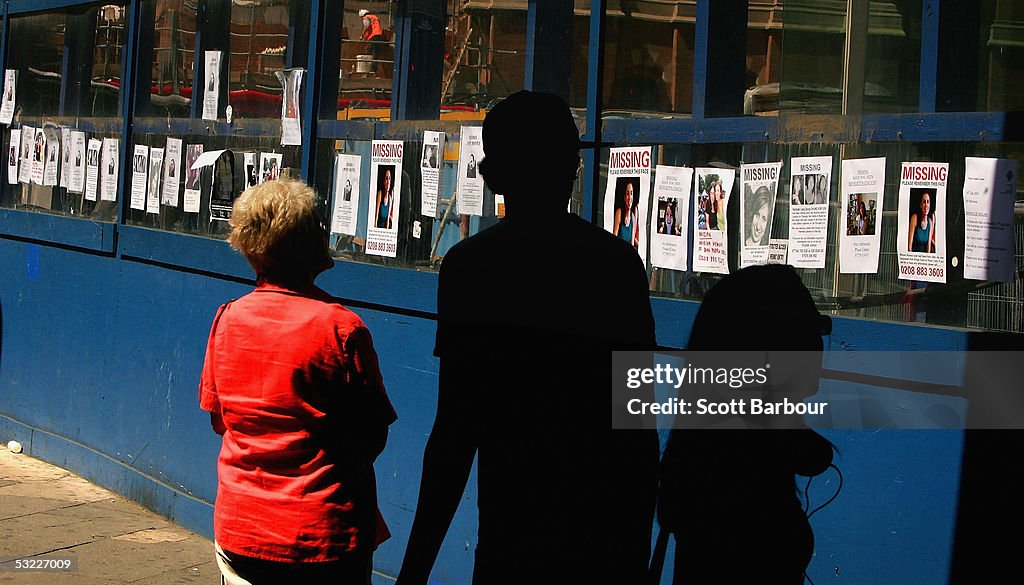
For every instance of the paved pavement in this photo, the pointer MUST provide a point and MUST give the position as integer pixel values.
(48, 514)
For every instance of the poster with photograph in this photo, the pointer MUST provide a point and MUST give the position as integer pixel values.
(346, 194)
(989, 192)
(28, 137)
(862, 190)
(193, 176)
(76, 182)
(921, 222)
(108, 176)
(668, 222)
(172, 172)
(38, 156)
(51, 162)
(156, 173)
(211, 93)
(430, 171)
(13, 156)
(385, 198)
(252, 169)
(626, 195)
(712, 190)
(270, 166)
(759, 185)
(65, 158)
(140, 184)
(809, 190)
(10, 96)
(92, 168)
(291, 122)
(471, 183)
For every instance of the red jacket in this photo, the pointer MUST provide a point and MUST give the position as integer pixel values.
(372, 29)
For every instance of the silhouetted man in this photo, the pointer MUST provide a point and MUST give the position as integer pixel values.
(529, 312)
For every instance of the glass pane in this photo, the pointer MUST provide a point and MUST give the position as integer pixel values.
(893, 74)
(174, 42)
(367, 62)
(764, 57)
(486, 53)
(812, 66)
(111, 38)
(259, 42)
(1001, 69)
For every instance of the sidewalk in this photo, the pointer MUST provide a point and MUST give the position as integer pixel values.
(47, 513)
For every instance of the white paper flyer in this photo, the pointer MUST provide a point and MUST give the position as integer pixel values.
(140, 167)
(38, 156)
(810, 184)
(172, 172)
(669, 231)
(193, 177)
(211, 93)
(76, 183)
(712, 190)
(862, 189)
(28, 137)
(92, 168)
(156, 173)
(65, 159)
(51, 161)
(430, 171)
(13, 156)
(10, 96)
(270, 166)
(989, 192)
(626, 195)
(471, 183)
(921, 221)
(385, 198)
(759, 185)
(291, 121)
(110, 163)
(252, 169)
(346, 194)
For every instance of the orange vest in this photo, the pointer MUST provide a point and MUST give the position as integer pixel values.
(374, 29)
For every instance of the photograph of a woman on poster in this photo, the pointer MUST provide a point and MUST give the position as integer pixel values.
(385, 197)
(667, 222)
(702, 211)
(626, 225)
(922, 222)
(821, 193)
(796, 191)
(758, 217)
(429, 156)
(471, 167)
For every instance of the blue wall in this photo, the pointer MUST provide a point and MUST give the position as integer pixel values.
(99, 368)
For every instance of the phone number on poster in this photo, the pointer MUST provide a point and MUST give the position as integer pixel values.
(921, 271)
(387, 247)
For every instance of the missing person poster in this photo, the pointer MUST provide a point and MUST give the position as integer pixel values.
(156, 173)
(10, 93)
(13, 156)
(626, 195)
(65, 159)
(990, 186)
(140, 184)
(862, 190)
(108, 176)
(346, 194)
(759, 185)
(76, 182)
(291, 122)
(28, 137)
(810, 183)
(430, 171)
(385, 198)
(668, 223)
(471, 182)
(193, 175)
(92, 168)
(270, 166)
(921, 225)
(38, 156)
(172, 172)
(51, 162)
(252, 169)
(211, 93)
(710, 242)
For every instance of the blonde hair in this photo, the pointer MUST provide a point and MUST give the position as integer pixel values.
(277, 227)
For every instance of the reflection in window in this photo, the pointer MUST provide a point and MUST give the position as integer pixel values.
(259, 42)
(174, 42)
(812, 65)
(1002, 55)
(367, 60)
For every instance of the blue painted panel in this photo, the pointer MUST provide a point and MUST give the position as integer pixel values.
(16, 6)
(177, 249)
(345, 129)
(58, 229)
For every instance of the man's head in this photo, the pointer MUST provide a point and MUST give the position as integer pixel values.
(531, 151)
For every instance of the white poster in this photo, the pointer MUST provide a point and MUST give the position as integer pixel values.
(270, 166)
(810, 183)
(777, 251)
(28, 137)
(51, 161)
(38, 156)
(211, 95)
(860, 236)
(471, 182)
(626, 195)
(110, 163)
(156, 173)
(172, 172)
(92, 168)
(712, 190)
(346, 194)
(759, 185)
(921, 225)
(193, 177)
(291, 121)
(669, 231)
(10, 96)
(252, 169)
(430, 171)
(65, 158)
(13, 156)
(385, 198)
(76, 183)
(990, 186)
(140, 168)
